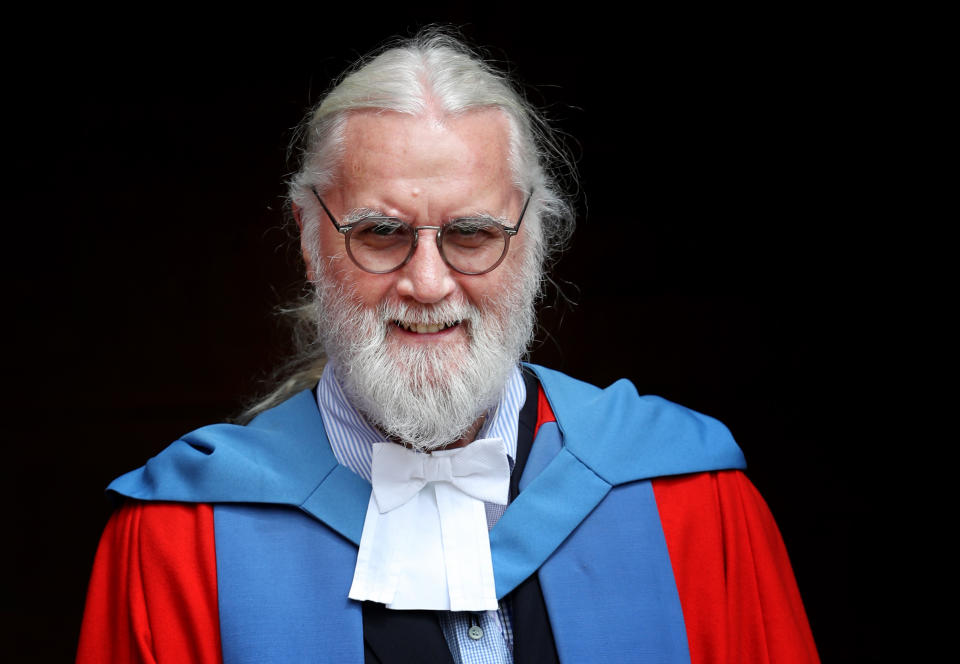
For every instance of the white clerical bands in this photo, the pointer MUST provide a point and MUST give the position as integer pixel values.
(425, 543)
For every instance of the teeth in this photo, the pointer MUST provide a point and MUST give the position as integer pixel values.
(424, 328)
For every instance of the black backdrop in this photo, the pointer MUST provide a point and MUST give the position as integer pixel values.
(147, 247)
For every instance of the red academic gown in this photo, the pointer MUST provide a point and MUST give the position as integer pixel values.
(153, 592)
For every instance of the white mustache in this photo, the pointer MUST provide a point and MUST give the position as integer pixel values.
(443, 313)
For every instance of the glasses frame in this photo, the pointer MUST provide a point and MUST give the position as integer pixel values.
(346, 229)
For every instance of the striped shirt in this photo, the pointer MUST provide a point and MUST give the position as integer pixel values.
(352, 438)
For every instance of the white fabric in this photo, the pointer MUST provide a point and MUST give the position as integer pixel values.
(439, 497)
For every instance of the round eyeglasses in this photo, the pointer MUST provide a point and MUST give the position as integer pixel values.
(469, 245)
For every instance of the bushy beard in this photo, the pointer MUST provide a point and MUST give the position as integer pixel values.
(425, 395)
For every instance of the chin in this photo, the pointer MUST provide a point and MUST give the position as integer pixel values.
(427, 366)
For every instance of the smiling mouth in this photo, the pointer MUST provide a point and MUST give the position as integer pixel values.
(425, 328)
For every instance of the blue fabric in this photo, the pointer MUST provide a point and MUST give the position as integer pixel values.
(609, 437)
(540, 518)
(610, 585)
(340, 501)
(624, 437)
(282, 584)
(548, 444)
(568, 514)
(281, 457)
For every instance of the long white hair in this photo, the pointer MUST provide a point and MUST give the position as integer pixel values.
(431, 71)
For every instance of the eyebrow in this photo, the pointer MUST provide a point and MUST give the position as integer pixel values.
(486, 216)
(360, 214)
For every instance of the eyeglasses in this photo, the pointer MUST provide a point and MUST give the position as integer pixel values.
(470, 245)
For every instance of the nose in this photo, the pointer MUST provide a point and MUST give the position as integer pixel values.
(426, 277)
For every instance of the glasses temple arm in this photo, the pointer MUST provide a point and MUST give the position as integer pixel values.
(516, 228)
(330, 214)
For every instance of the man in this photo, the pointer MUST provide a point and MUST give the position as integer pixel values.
(423, 497)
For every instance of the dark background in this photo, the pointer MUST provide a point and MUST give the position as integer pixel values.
(718, 260)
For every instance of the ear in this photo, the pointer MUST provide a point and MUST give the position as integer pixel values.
(298, 217)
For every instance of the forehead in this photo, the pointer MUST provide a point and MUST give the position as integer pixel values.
(451, 155)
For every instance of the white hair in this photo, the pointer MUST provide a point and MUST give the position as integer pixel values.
(426, 397)
(432, 72)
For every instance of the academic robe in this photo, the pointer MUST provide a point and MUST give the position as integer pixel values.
(633, 536)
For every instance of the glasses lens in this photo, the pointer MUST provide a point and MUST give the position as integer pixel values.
(473, 246)
(380, 244)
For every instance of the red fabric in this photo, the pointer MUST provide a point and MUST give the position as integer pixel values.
(544, 411)
(740, 601)
(153, 592)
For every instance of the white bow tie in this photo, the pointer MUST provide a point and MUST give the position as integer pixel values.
(427, 509)
(480, 470)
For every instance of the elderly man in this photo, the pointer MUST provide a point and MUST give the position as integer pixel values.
(424, 496)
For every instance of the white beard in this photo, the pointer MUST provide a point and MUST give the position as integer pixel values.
(426, 396)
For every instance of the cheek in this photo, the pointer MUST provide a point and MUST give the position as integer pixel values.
(368, 290)
(493, 285)
(481, 289)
